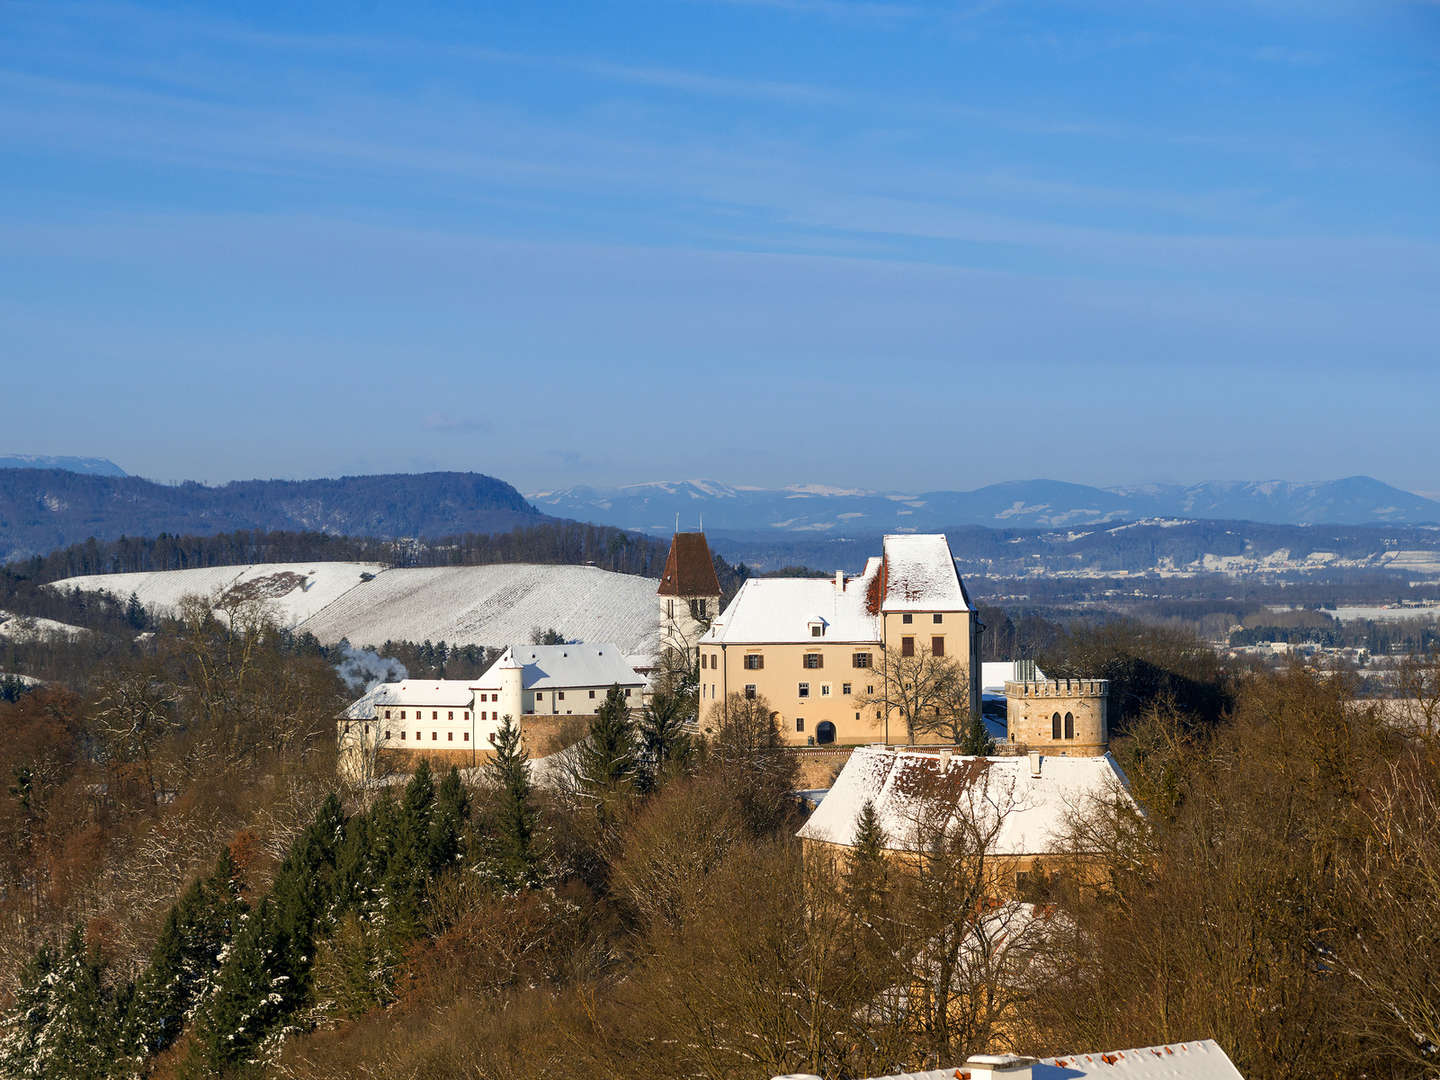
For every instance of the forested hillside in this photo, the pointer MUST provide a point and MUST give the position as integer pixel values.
(45, 509)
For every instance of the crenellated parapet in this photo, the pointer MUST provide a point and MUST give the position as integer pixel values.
(1059, 716)
(1058, 688)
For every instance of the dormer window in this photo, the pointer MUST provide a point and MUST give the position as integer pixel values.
(817, 627)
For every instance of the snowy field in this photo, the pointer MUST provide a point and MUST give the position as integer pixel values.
(479, 605)
(293, 591)
(495, 605)
(26, 628)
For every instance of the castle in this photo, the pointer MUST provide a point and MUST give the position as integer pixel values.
(816, 649)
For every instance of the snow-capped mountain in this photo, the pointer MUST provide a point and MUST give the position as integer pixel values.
(1048, 504)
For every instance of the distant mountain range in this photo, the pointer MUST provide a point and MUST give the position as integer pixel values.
(94, 466)
(1023, 504)
(45, 509)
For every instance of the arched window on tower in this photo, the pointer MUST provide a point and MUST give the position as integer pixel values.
(1069, 726)
(1055, 726)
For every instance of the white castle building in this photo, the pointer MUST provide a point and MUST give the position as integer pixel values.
(455, 720)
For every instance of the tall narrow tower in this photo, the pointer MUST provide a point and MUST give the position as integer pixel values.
(689, 596)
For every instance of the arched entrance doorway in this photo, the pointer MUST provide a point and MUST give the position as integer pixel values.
(824, 732)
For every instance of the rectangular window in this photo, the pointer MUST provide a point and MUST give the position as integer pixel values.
(592, 695)
(434, 736)
(907, 646)
(387, 714)
(387, 733)
(450, 736)
(937, 646)
(539, 695)
(467, 736)
(870, 690)
(824, 689)
(402, 736)
(750, 691)
(402, 714)
(627, 691)
(465, 715)
(907, 618)
(845, 688)
(861, 659)
(816, 630)
(754, 662)
(939, 618)
(814, 660)
(799, 723)
(450, 715)
(419, 736)
(560, 695)
(804, 689)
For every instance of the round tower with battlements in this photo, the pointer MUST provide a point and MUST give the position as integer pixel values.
(1059, 716)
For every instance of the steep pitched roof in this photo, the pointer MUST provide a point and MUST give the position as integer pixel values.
(689, 569)
(920, 575)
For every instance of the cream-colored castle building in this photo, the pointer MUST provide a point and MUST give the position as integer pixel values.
(814, 647)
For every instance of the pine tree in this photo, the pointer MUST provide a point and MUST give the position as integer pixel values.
(664, 735)
(867, 874)
(606, 759)
(513, 853)
(452, 808)
(186, 957)
(977, 741)
(135, 612)
(65, 1024)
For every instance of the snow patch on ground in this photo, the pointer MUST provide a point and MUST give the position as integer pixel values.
(28, 628)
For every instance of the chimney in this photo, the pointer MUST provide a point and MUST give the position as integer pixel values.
(997, 1067)
(1035, 758)
(839, 580)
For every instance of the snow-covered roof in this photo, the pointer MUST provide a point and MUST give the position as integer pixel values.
(561, 666)
(1202, 1059)
(920, 574)
(783, 609)
(420, 693)
(910, 786)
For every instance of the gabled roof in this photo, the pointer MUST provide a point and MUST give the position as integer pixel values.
(559, 666)
(768, 610)
(909, 786)
(920, 575)
(689, 569)
(1199, 1060)
(430, 693)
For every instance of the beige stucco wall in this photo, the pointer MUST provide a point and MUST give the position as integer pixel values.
(1030, 708)
(723, 671)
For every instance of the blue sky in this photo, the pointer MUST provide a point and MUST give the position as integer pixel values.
(899, 245)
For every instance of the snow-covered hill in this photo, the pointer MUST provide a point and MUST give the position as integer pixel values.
(365, 603)
(293, 591)
(495, 605)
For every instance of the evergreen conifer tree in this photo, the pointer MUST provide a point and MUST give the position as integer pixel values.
(452, 807)
(606, 758)
(977, 741)
(663, 733)
(513, 852)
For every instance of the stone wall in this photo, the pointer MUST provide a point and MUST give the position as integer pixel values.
(1081, 704)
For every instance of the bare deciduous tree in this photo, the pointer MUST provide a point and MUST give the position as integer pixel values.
(924, 689)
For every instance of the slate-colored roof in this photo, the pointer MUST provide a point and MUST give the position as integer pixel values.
(689, 569)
